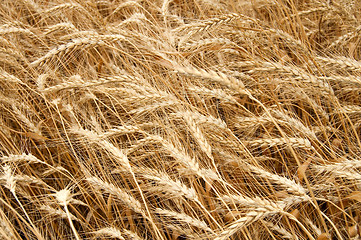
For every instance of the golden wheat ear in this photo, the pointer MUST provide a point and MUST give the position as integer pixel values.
(175, 119)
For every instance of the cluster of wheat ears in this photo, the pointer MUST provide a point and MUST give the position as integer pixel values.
(177, 119)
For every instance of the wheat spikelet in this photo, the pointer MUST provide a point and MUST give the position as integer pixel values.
(272, 142)
(122, 130)
(296, 43)
(80, 34)
(28, 158)
(61, 7)
(218, 93)
(26, 180)
(342, 40)
(122, 195)
(213, 76)
(197, 133)
(5, 29)
(32, 127)
(341, 63)
(96, 139)
(172, 187)
(183, 218)
(9, 178)
(247, 122)
(77, 82)
(294, 123)
(351, 109)
(189, 162)
(154, 107)
(129, 3)
(146, 99)
(344, 80)
(109, 231)
(5, 76)
(304, 77)
(260, 208)
(85, 42)
(283, 232)
(64, 26)
(241, 223)
(222, 42)
(338, 170)
(208, 24)
(206, 120)
(288, 184)
(57, 212)
(248, 202)
(6, 232)
(64, 197)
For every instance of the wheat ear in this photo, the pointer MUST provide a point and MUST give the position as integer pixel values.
(182, 217)
(91, 41)
(121, 194)
(64, 196)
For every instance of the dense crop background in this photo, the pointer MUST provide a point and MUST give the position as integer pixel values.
(183, 119)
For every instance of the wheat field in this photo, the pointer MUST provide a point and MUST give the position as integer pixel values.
(176, 119)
